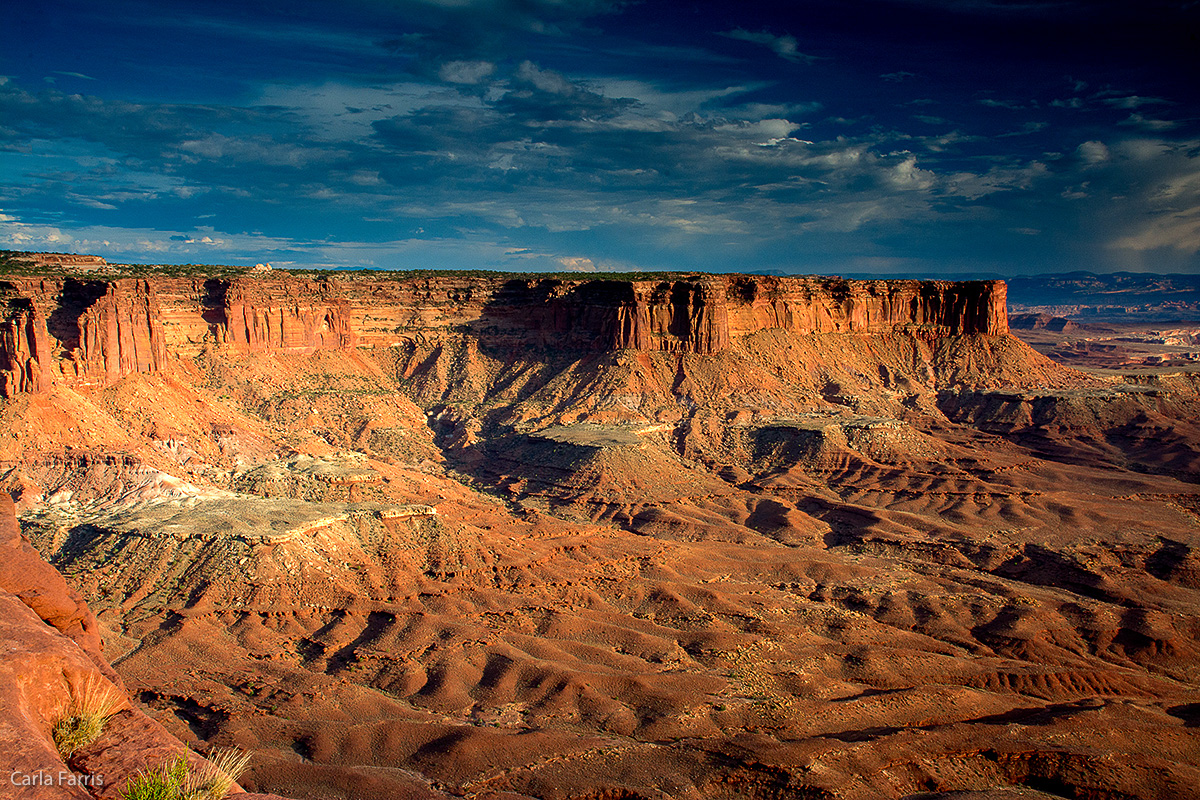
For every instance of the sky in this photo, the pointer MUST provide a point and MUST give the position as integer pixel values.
(888, 137)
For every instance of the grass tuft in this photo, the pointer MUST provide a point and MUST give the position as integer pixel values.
(177, 780)
(83, 718)
(217, 777)
(164, 783)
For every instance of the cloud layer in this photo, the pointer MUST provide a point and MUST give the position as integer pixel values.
(587, 136)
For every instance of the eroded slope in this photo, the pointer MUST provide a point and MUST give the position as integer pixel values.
(795, 561)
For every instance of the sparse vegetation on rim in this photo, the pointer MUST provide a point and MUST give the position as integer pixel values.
(179, 780)
(82, 719)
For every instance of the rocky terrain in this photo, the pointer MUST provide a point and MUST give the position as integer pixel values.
(51, 647)
(677, 536)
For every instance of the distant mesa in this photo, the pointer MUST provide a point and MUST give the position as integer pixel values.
(1038, 322)
(83, 263)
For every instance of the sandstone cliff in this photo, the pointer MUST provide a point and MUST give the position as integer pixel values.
(122, 332)
(697, 314)
(95, 332)
(84, 332)
(38, 585)
(24, 349)
(283, 316)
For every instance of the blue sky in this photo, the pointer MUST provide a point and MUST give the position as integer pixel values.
(832, 136)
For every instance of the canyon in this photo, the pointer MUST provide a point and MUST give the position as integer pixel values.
(650, 536)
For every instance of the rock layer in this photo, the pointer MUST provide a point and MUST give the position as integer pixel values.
(122, 333)
(84, 332)
(24, 350)
(38, 585)
(96, 332)
(289, 316)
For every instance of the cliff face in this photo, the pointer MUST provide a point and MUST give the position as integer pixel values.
(283, 316)
(681, 316)
(83, 332)
(95, 332)
(122, 332)
(701, 314)
(832, 305)
(24, 349)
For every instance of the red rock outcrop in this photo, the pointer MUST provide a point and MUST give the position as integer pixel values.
(24, 350)
(83, 332)
(108, 329)
(122, 332)
(39, 586)
(50, 648)
(833, 305)
(701, 314)
(284, 316)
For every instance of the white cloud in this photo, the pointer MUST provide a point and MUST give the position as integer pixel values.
(1161, 180)
(1136, 120)
(786, 47)
(670, 103)
(466, 72)
(972, 186)
(341, 112)
(206, 245)
(764, 131)
(761, 111)
(132, 243)
(1133, 101)
(938, 144)
(546, 80)
(1092, 153)
(907, 175)
(259, 150)
(1179, 232)
(577, 264)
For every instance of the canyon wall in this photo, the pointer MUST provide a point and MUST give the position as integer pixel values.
(87, 332)
(121, 332)
(284, 316)
(93, 332)
(24, 349)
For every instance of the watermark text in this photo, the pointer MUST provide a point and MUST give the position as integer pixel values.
(62, 777)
